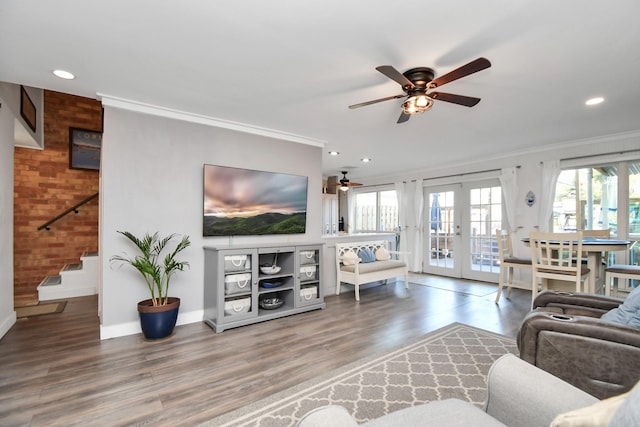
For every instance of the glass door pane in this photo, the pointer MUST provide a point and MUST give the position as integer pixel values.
(441, 232)
(485, 217)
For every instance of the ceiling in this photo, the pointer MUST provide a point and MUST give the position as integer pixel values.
(295, 66)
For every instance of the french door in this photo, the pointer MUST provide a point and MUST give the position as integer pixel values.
(442, 235)
(460, 224)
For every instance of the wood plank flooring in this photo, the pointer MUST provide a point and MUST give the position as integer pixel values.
(54, 370)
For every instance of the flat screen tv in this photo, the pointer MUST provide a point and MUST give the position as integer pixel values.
(244, 202)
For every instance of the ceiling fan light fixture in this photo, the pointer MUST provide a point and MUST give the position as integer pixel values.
(344, 188)
(417, 104)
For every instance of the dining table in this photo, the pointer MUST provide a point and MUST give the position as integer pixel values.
(594, 248)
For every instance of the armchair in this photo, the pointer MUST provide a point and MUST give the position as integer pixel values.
(565, 336)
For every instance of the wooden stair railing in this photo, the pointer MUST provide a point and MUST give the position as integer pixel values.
(73, 209)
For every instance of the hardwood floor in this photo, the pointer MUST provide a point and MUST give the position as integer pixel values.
(54, 370)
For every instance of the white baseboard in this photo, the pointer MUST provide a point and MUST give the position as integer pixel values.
(7, 323)
(131, 328)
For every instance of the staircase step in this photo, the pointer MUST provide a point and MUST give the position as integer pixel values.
(74, 280)
(51, 281)
(72, 267)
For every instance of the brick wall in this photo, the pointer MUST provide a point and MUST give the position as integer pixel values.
(45, 186)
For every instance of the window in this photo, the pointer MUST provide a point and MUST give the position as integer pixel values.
(376, 211)
(601, 197)
(634, 201)
(586, 199)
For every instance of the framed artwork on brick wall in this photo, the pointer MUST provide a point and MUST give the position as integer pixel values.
(27, 109)
(84, 149)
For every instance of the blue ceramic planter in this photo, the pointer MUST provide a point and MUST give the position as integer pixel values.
(158, 322)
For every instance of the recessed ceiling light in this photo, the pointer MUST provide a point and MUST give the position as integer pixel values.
(594, 101)
(64, 74)
(333, 153)
(365, 160)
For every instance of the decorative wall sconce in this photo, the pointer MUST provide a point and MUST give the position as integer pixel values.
(530, 198)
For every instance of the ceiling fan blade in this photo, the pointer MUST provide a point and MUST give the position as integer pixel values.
(347, 184)
(395, 75)
(403, 117)
(467, 101)
(375, 101)
(470, 68)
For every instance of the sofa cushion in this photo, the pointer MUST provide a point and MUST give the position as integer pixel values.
(351, 258)
(382, 254)
(366, 255)
(597, 415)
(449, 412)
(628, 313)
(373, 266)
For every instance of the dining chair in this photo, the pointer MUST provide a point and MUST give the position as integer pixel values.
(598, 234)
(553, 257)
(616, 272)
(509, 262)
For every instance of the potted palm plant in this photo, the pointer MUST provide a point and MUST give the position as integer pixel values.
(158, 314)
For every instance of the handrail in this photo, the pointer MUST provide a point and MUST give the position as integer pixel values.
(74, 209)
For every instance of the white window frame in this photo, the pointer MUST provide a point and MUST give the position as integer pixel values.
(377, 191)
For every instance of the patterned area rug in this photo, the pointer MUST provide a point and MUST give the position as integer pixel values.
(451, 362)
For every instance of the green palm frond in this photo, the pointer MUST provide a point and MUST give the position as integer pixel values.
(157, 276)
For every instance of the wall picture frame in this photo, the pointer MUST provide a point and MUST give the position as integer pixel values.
(27, 109)
(84, 148)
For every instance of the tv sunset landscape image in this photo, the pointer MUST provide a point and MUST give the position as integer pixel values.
(244, 202)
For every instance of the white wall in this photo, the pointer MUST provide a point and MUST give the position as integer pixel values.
(151, 180)
(7, 314)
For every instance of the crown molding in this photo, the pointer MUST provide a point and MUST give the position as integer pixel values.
(155, 110)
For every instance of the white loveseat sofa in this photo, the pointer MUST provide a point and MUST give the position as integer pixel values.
(353, 270)
(518, 394)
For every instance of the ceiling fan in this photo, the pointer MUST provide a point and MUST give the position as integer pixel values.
(344, 183)
(418, 82)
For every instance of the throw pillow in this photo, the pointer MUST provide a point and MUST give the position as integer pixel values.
(629, 412)
(628, 313)
(382, 254)
(350, 258)
(366, 255)
(597, 415)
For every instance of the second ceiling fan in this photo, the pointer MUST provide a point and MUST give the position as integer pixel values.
(345, 183)
(418, 83)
